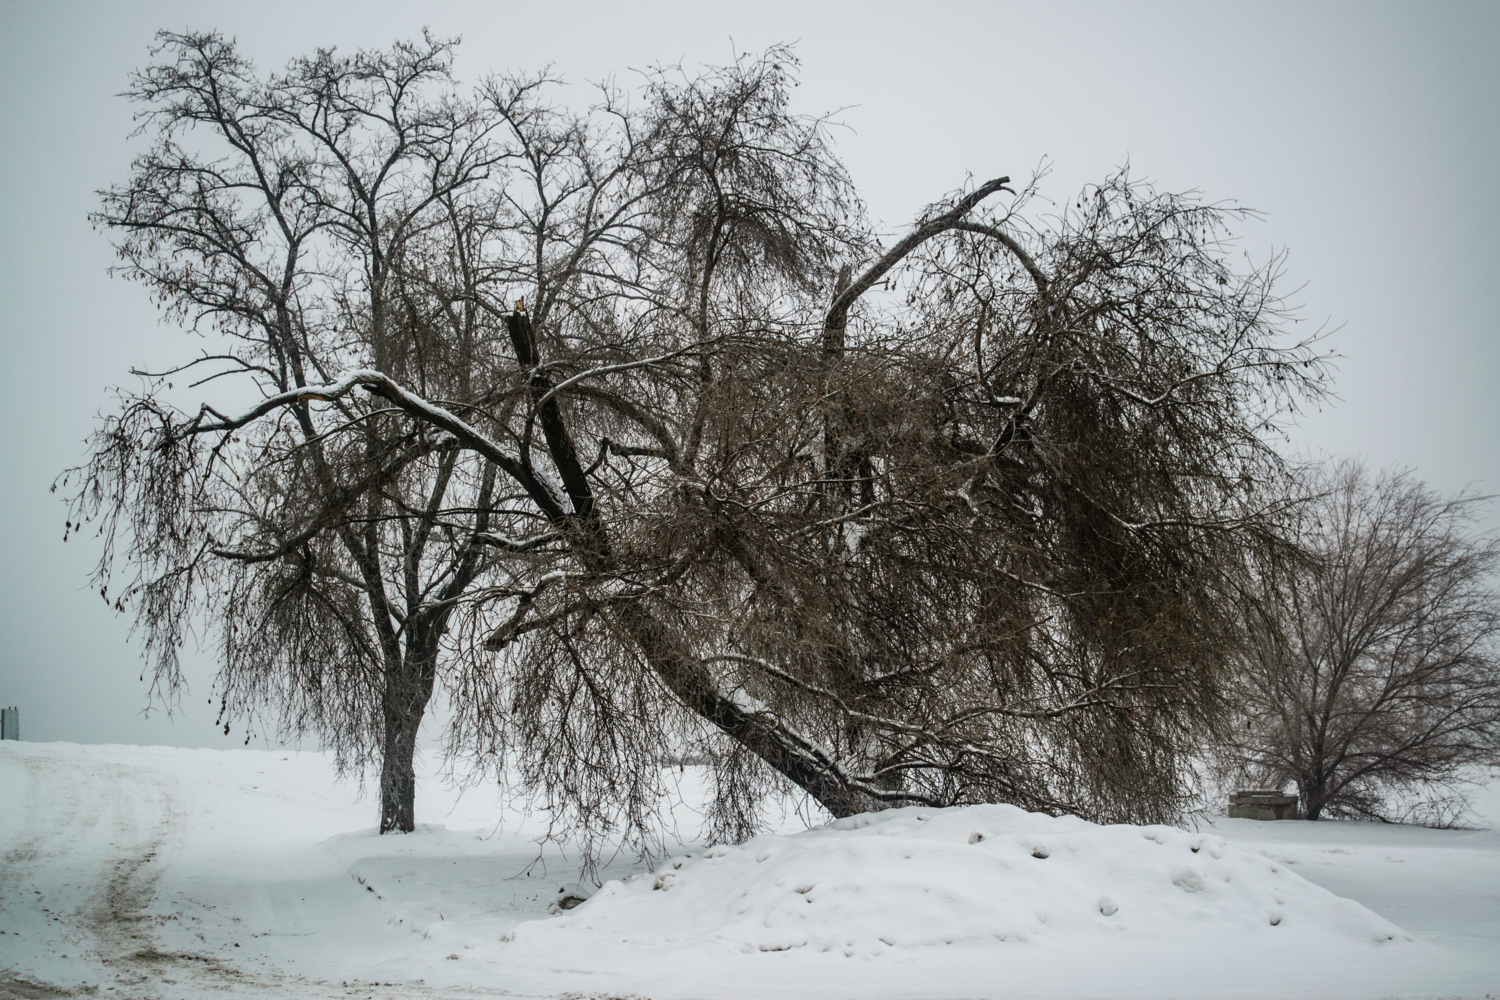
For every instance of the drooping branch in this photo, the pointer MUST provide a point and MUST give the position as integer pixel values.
(950, 220)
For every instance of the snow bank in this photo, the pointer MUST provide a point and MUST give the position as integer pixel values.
(136, 871)
(916, 879)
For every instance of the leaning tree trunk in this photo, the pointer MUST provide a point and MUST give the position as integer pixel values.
(760, 733)
(682, 673)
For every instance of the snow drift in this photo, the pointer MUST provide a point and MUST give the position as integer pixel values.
(912, 879)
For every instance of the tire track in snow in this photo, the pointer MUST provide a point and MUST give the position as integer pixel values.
(40, 886)
(84, 876)
(84, 918)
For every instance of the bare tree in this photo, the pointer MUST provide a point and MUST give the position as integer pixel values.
(1372, 669)
(950, 521)
(269, 213)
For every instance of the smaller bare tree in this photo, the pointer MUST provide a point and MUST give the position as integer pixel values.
(1370, 671)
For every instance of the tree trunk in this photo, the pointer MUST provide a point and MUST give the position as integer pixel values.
(760, 733)
(1314, 797)
(398, 778)
(408, 689)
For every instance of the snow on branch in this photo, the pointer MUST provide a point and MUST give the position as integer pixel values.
(380, 384)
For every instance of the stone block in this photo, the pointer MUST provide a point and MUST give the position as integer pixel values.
(1262, 804)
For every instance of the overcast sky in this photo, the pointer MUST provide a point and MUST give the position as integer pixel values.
(1368, 134)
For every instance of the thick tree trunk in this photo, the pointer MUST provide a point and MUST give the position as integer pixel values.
(759, 732)
(408, 689)
(398, 778)
(683, 674)
(1314, 798)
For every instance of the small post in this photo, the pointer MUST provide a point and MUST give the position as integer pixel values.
(10, 723)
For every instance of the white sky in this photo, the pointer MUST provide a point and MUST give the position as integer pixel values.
(1367, 132)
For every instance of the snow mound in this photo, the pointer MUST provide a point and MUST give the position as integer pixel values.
(918, 878)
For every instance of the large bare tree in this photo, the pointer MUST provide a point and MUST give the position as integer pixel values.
(269, 214)
(1372, 668)
(947, 521)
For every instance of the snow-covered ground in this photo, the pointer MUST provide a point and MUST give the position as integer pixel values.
(155, 872)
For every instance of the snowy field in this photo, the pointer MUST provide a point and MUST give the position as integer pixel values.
(155, 872)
